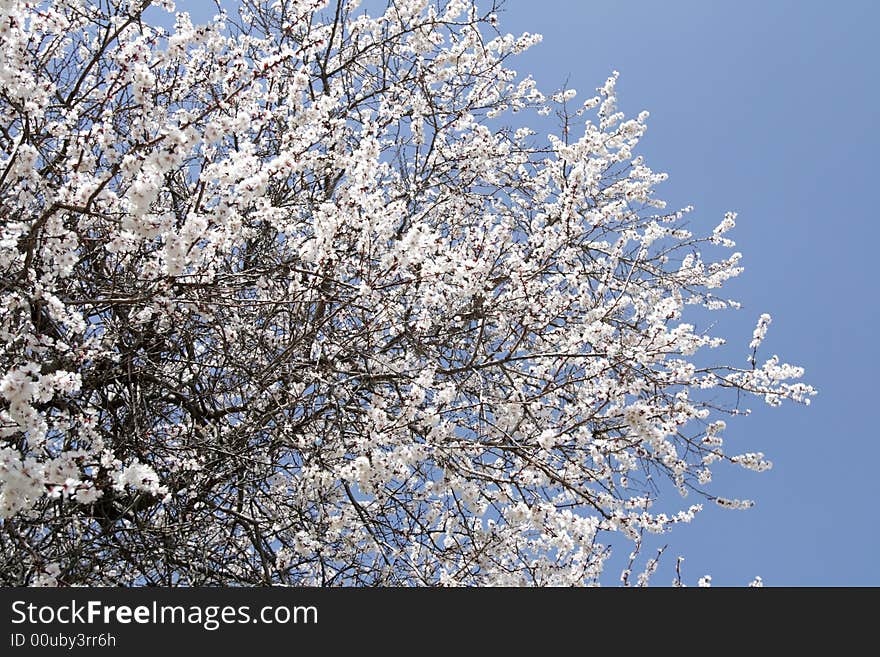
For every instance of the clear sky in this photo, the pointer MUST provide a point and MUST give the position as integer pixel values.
(768, 108)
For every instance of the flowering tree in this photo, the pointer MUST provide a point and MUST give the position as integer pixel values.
(289, 298)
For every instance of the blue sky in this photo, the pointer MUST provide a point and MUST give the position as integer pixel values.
(768, 108)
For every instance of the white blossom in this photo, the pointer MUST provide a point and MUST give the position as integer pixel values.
(760, 331)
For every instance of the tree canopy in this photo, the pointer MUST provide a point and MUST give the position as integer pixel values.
(297, 297)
